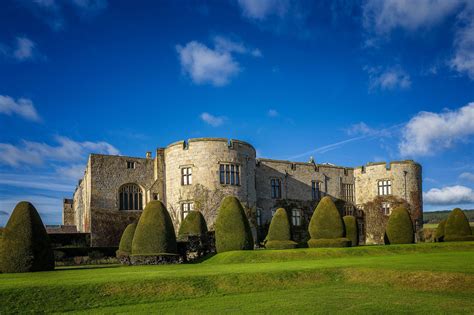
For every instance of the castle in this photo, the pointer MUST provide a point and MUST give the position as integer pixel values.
(196, 174)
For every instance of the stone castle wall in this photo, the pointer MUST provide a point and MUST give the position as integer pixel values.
(68, 212)
(95, 206)
(204, 156)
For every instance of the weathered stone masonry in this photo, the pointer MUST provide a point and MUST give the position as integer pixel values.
(95, 207)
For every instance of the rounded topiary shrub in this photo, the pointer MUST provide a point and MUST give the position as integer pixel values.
(279, 232)
(154, 234)
(193, 225)
(439, 236)
(232, 227)
(352, 233)
(399, 227)
(326, 227)
(457, 227)
(125, 246)
(25, 243)
(326, 221)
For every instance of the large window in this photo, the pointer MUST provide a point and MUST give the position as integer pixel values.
(229, 174)
(276, 188)
(186, 176)
(130, 197)
(186, 207)
(385, 187)
(316, 190)
(296, 217)
(347, 192)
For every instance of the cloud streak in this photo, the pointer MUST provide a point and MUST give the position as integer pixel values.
(388, 79)
(214, 121)
(449, 195)
(22, 107)
(428, 132)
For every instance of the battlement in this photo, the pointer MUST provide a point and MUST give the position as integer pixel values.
(387, 166)
(231, 143)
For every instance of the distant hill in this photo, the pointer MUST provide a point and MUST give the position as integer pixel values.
(437, 216)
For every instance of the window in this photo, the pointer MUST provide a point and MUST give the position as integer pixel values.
(130, 197)
(385, 187)
(156, 196)
(386, 208)
(186, 176)
(296, 217)
(348, 192)
(276, 188)
(316, 190)
(229, 174)
(258, 214)
(131, 164)
(186, 207)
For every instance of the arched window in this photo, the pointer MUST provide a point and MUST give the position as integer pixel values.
(130, 197)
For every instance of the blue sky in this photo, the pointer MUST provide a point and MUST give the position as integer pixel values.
(347, 82)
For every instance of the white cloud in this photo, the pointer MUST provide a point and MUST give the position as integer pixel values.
(24, 49)
(467, 176)
(38, 181)
(382, 17)
(75, 171)
(216, 66)
(449, 195)
(360, 129)
(463, 59)
(36, 153)
(261, 9)
(214, 121)
(428, 132)
(22, 107)
(273, 113)
(388, 79)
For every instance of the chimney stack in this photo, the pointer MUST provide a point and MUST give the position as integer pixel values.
(148, 154)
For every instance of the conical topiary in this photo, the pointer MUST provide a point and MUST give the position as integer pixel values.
(232, 227)
(326, 227)
(439, 236)
(25, 243)
(154, 234)
(279, 232)
(457, 227)
(399, 228)
(125, 246)
(352, 233)
(193, 225)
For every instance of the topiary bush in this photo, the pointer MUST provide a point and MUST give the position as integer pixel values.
(232, 227)
(457, 227)
(352, 233)
(193, 225)
(326, 224)
(154, 234)
(439, 236)
(279, 232)
(125, 246)
(399, 228)
(25, 244)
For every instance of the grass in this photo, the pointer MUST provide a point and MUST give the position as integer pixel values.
(426, 278)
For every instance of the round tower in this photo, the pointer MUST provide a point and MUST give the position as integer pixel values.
(199, 172)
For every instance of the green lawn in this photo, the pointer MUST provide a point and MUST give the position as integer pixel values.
(435, 225)
(424, 278)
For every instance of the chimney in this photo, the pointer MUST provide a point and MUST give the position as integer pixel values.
(148, 154)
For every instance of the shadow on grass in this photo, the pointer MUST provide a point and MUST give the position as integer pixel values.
(81, 267)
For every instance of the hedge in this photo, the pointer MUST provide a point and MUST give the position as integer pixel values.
(232, 227)
(399, 228)
(352, 233)
(193, 225)
(439, 236)
(125, 246)
(326, 242)
(154, 234)
(279, 232)
(25, 243)
(326, 221)
(457, 226)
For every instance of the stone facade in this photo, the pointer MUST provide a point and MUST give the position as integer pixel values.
(228, 167)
